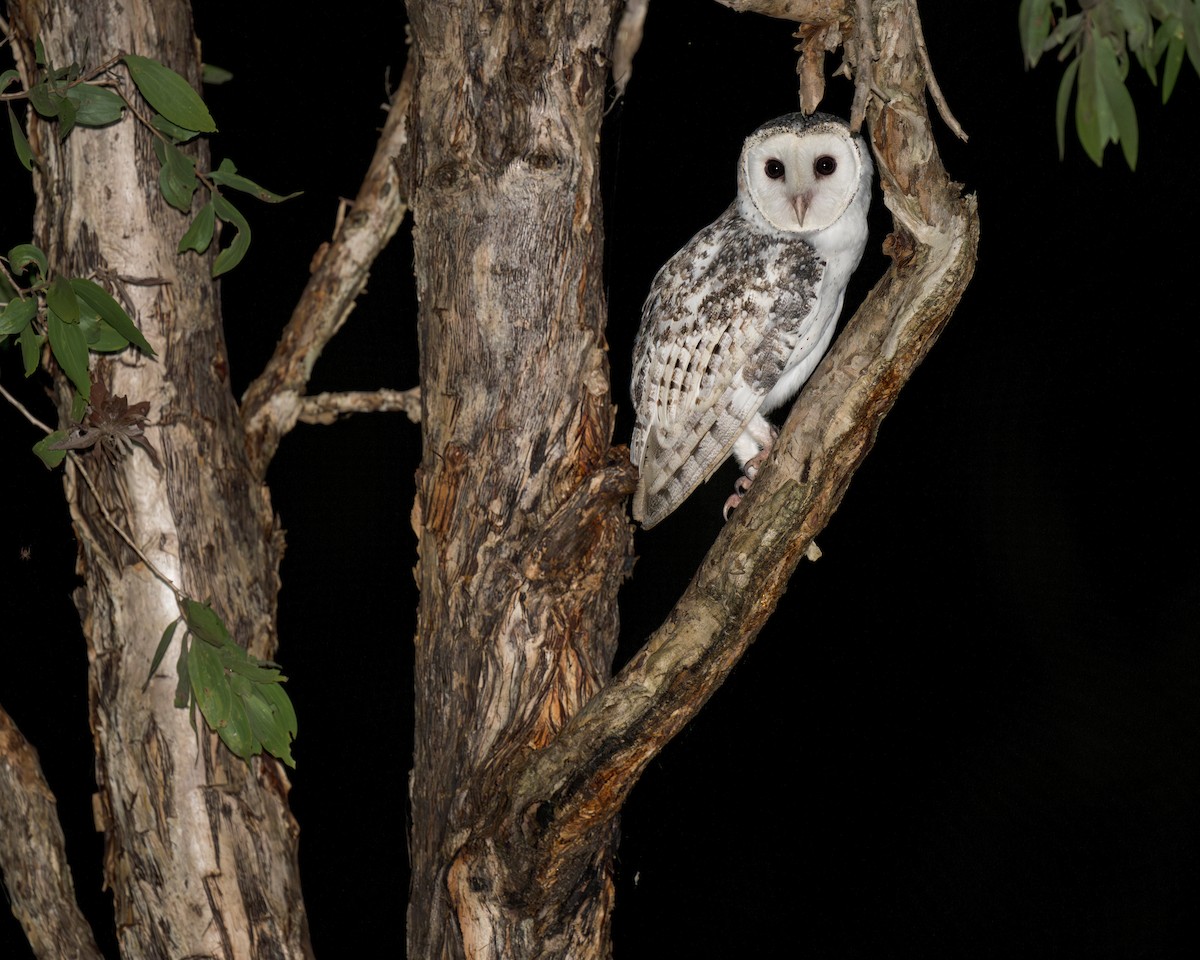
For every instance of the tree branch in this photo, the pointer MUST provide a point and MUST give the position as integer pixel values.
(272, 403)
(33, 856)
(328, 407)
(563, 794)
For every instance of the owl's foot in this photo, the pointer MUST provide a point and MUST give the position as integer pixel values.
(742, 485)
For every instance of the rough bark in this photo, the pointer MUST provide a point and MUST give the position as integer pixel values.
(513, 810)
(200, 846)
(582, 778)
(519, 514)
(33, 855)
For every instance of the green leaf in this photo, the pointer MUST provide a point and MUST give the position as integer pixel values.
(45, 100)
(177, 178)
(31, 349)
(232, 255)
(160, 652)
(23, 255)
(51, 458)
(1067, 31)
(66, 118)
(281, 703)
(205, 624)
(237, 734)
(61, 299)
(1120, 103)
(7, 77)
(227, 176)
(237, 660)
(173, 131)
(209, 685)
(183, 685)
(1033, 20)
(169, 94)
(268, 727)
(20, 143)
(99, 299)
(1191, 32)
(1175, 51)
(212, 75)
(199, 235)
(79, 405)
(1089, 121)
(16, 315)
(1135, 18)
(95, 106)
(69, 346)
(101, 338)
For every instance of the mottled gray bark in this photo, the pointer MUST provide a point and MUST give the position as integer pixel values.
(200, 846)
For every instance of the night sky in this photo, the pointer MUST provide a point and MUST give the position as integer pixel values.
(971, 728)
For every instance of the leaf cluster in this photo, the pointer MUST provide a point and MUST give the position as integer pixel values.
(178, 115)
(1101, 38)
(74, 314)
(240, 697)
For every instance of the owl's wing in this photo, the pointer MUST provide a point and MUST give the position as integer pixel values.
(722, 321)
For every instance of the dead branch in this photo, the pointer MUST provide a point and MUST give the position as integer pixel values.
(33, 856)
(272, 403)
(328, 407)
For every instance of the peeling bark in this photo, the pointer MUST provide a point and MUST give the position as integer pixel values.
(522, 533)
(33, 855)
(200, 846)
(514, 805)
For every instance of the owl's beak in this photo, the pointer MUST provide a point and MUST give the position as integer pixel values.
(800, 205)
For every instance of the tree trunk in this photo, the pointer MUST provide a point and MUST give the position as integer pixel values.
(522, 532)
(200, 846)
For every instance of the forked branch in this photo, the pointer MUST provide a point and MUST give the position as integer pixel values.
(273, 402)
(566, 792)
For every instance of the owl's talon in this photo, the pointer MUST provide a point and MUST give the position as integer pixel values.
(731, 504)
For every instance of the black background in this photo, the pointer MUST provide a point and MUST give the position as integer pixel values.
(971, 728)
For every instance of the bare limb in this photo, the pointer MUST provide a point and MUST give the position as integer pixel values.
(802, 11)
(328, 407)
(626, 43)
(566, 792)
(272, 404)
(33, 856)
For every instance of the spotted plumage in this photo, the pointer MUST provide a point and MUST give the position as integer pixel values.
(738, 319)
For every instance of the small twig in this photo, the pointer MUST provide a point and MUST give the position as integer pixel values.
(931, 83)
(328, 407)
(21, 407)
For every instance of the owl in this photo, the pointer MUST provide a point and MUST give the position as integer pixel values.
(738, 319)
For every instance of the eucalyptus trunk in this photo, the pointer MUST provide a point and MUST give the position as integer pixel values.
(522, 532)
(200, 846)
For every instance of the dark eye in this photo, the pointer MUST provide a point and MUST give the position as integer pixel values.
(824, 166)
(774, 169)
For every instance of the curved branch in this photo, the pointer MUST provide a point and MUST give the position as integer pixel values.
(272, 403)
(563, 794)
(33, 856)
(328, 407)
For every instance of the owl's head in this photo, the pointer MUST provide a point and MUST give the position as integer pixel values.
(800, 174)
